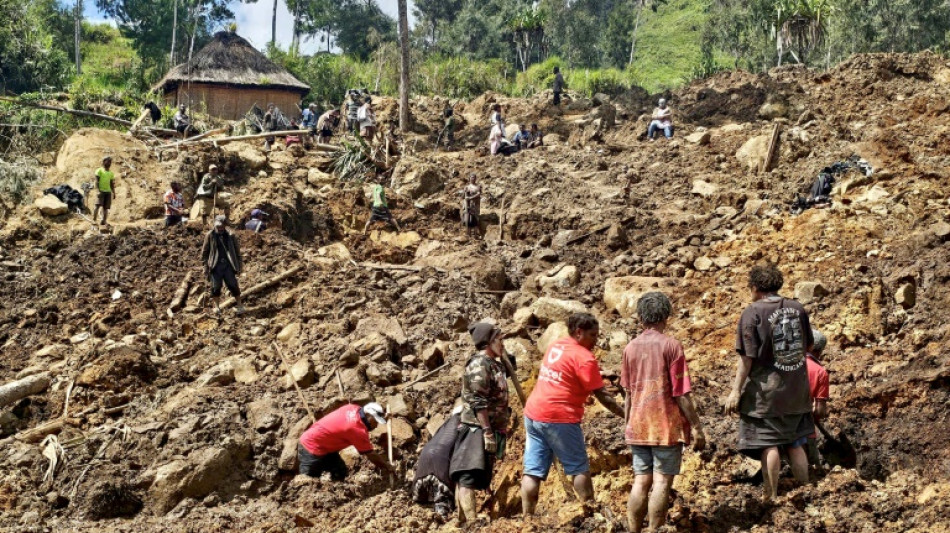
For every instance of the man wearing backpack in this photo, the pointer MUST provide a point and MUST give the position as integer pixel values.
(771, 390)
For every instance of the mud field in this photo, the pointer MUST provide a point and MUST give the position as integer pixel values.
(187, 422)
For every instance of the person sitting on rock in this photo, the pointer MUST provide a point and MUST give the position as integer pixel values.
(536, 138)
(256, 223)
(522, 137)
(318, 449)
(182, 121)
(221, 257)
(662, 120)
(380, 209)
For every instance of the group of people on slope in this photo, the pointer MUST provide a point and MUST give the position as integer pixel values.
(523, 139)
(779, 392)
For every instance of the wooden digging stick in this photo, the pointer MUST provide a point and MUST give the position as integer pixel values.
(294, 381)
(389, 432)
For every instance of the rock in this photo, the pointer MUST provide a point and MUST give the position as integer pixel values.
(906, 295)
(79, 337)
(522, 318)
(416, 179)
(336, 251)
(376, 346)
(57, 351)
(384, 325)
(318, 178)
(384, 374)
(549, 310)
(700, 137)
(941, 230)
(219, 375)
(601, 99)
(618, 340)
(722, 261)
(564, 278)
(50, 206)
(773, 110)
(703, 264)
(264, 414)
(555, 331)
(621, 294)
(404, 239)
(403, 432)
(872, 195)
(398, 407)
(245, 371)
(289, 332)
(732, 128)
(704, 188)
(753, 153)
(524, 352)
(486, 270)
(288, 454)
(302, 373)
(434, 423)
(616, 237)
(254, 159)
(434, 355)
(197, 476)
(807, 292)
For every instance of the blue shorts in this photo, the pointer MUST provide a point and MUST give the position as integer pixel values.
(664, 460)
(544, 441)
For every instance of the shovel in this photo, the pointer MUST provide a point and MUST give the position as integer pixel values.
(838, 450)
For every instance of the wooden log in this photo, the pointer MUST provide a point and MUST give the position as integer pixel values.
(424, 376)
(138, 121)
(773, 145)
(180, 295)
(256, 136)
(405, 268)
(85, 114)
(261, 287)
(21, 388)
(599, 229)
(41, 431)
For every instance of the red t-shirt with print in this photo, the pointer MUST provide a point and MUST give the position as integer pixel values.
(338, 430)
(569, 373)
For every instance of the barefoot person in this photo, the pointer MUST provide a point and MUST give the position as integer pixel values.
(105, 185)
(552, 415)
(174, 205)
(380, 209)
(472, 206)
(770, 391)
(661, 417)
(221, 257)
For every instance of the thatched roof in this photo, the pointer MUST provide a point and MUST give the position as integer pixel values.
(230, 60)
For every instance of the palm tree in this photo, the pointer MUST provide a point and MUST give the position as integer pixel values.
(403, 66)
(801, 27)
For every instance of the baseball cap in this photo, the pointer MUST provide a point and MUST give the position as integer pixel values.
(257, 213)
(375, 410)
(213, 167)
(220, 220)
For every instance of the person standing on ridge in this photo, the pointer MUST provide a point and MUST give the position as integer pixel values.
(660, 414)
(558, 85)
(105, 185)
(222, 262)
(770, 390)
(569, 374)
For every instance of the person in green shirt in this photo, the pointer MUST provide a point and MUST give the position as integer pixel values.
(380, 209)
(105, 185)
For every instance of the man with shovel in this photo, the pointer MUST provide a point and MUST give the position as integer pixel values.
(207, 193)
(483, 430)
(319, 447)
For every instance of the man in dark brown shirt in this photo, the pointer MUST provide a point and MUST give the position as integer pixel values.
(770, 391)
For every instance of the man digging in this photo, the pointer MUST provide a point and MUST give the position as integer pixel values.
(660, 417)
(105, 185)
(319, 447)
(221, 257)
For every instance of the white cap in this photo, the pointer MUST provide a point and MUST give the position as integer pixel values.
(376, 411)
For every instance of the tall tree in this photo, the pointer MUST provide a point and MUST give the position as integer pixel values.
(432, 14)
(638, 7)
(78, 36)
(527, 28)
(171, 54)
(403, 66)
(273, 26)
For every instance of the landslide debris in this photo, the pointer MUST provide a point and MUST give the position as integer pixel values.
(188, 421)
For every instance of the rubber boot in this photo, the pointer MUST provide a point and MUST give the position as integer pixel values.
(467, 508)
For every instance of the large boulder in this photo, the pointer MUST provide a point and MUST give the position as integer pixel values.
(549, 310)
(622, 294)
(557, 330)
(415, 179)
(562, 278)
(488, 271)
(752, 154)
(50, 206)
(807, 292)
(196, 476)
(288, 453)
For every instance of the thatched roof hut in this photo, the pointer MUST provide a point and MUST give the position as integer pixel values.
(229, 76)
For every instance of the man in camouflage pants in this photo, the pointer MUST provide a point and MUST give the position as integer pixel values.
(485, 417)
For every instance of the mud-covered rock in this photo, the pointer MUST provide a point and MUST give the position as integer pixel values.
(549, 310)
(50, 206)
(622, 294)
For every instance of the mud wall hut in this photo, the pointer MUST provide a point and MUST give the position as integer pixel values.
(228, 77)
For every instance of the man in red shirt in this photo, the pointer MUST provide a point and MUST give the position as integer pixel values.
(660, 415)
(319, 447)
(818, 387)
(552, 416)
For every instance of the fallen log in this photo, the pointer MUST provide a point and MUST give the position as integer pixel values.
(261, 287)
(204, 135)
(256, 136)
(21, 388)
(138, 121)
(404, 268)
(85, 114)
(424, 376)
(180, 295)
(41, 431)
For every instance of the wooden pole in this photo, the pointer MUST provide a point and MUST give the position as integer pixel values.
(389, 432)
(179, 299)
(255, 136)
(21, 388)
(138, 121)
(294, 381)
(773, 144)
(81, 113)
(260, 287)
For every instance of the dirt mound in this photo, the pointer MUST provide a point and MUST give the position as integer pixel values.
(191, 416)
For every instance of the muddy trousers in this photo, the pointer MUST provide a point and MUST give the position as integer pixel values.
(315, 465)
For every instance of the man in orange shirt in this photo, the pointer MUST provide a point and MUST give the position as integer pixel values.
(552, 416)
(660, 415)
